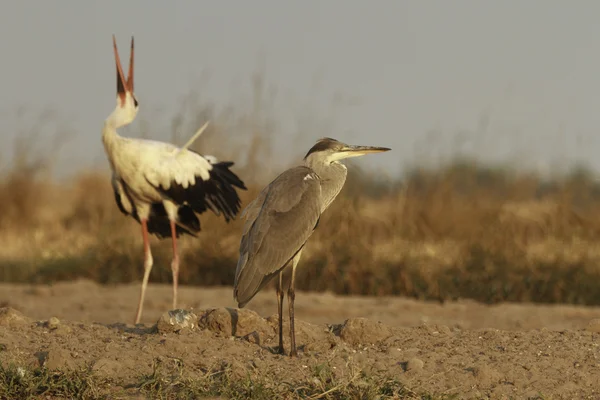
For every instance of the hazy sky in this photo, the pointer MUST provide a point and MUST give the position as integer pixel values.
(508, 80)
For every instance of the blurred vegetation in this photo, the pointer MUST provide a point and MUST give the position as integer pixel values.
(460, 230)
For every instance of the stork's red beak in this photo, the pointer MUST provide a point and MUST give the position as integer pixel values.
(123, 86)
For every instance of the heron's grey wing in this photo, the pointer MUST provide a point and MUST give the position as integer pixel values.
(287, 218)
(251, 211)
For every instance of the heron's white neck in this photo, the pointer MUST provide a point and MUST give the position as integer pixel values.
(332, 176)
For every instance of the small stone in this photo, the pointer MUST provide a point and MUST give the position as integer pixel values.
(594, 325)
(414, 364)
(176, 321)
(53, 323)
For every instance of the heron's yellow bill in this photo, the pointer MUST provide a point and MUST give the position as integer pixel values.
(362, 150)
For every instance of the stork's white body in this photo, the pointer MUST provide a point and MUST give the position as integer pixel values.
(161, 185)
(144, 165)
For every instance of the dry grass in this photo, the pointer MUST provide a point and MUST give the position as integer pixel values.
(462, 230)
(179, 382)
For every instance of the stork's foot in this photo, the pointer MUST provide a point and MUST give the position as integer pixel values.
(293, 354)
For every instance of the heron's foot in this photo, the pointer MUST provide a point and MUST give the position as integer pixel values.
(294, 353)
(280, 350)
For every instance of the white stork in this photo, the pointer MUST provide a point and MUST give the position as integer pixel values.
(160, 185)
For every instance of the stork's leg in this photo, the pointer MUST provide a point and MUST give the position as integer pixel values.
(147, 269)
(291, 298)
(175, 264)
(280, 310)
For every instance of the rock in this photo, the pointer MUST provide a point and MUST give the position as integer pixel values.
(357, 331)
(415, 364)
(238, 323)
(53, 323)
(12, 318)
(176, 321)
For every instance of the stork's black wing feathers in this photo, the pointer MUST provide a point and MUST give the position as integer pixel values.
(158, 223)
(121, 197)
(218, 193)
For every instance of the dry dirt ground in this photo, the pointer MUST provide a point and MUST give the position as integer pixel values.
(462, 348)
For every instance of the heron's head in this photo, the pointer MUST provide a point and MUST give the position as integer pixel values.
(330, 150)
(127, 104)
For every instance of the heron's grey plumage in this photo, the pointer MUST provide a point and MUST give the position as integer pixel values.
(278, 230)
(285, 214)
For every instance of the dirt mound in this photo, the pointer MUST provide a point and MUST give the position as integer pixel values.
(360, 353)
(9, 317)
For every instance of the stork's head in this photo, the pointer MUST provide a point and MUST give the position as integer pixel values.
(329, 150)
(127, 104)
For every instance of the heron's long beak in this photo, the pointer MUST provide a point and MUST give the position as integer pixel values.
(355, 151)
(123, 86)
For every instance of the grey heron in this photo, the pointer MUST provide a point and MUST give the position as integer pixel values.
(160, 185)
(282, 218)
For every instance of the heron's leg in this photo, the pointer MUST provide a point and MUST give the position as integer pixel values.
(291, 298)
(175, 264)
(147, 269)
(280, 310)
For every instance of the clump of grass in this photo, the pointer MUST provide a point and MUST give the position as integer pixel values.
(174, 381)
(20, 383)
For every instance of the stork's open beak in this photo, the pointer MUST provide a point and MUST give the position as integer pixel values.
(123, 86)
(355, 151)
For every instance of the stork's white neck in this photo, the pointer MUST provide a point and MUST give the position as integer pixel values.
(109, 133)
